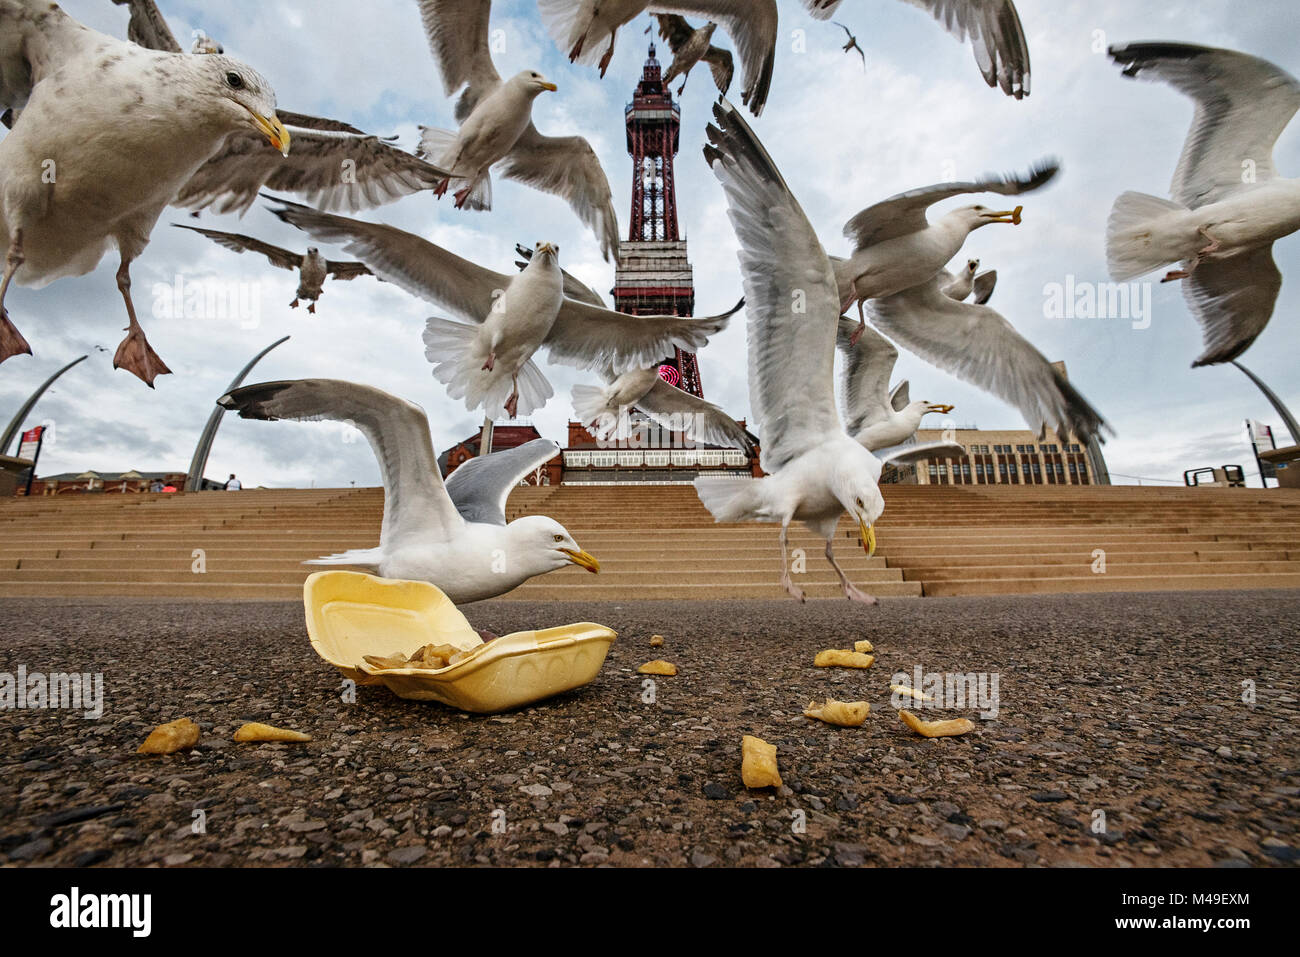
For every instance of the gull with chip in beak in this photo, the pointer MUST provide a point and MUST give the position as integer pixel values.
(453, 535)
(106, 133)
(815, 470)
(496, 126)
(896, 247)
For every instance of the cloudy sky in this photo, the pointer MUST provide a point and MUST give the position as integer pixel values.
(844, 138)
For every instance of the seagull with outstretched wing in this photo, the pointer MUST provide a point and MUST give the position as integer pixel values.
(691, 46)
(877, 416)
(1228, 205)
(453, 534)
(313, 268)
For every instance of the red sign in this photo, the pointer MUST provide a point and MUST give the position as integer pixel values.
(30, 443)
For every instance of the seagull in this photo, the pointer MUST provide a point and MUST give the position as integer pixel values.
(487, 359)
(971, 280)
(689, 47)
(313, 268)
(876, 416)
(496, 126)
(584, 28)
(453, 535)
(852, 44)
(815, 470)
(992, 27)
(896, 247)
(334, 165)
(106, 134)
(1228, 205)
(204, 44)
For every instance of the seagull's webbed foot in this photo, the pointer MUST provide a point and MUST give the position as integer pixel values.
(294, 304)
(1213, 247)
(577, 48)
(462, 196)
(441, 189)
(12, 342)
(311, 307)
(512, 405)
(606, 57)
(490, 363)
(135, 355)
(1177, 274)
(850, 592)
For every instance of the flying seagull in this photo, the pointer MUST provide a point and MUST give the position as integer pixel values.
(691, 46)
(313, 268)
(815, 470)
(454, 534)
(487, 358)
(896, 247)
(1228, 205)
(334, 165)
(107, 132)
(971, 280)
(852, 44)
(496, 126)
(992, 27)
(585, 30)
(877, 416)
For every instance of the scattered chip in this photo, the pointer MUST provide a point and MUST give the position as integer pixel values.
(758, 763)
(427, 658)
(847, 714)
(843, 659)
(936, 729)
(863, 646)
(171, 737)
(264, 732)
(658, 667)
(910, 692)
(656, 641)
(385, 663)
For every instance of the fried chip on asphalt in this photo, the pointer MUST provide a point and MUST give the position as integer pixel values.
(843, 659)
(863, 646)
(171, 737)
(658, 667)
(254, 731)
(936, 729)
(910, 692)
(846, 714)
(656, 641)
(758, 767)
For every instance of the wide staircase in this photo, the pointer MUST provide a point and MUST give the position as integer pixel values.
(658, 542)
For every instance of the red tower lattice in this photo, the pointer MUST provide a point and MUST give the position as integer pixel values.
(654, 275)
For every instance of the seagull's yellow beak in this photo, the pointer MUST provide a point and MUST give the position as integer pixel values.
(273, 130)
(551, 87)
(868, 537)
(941, 409)
(1009, 216)
(583, 560)
(547, 248)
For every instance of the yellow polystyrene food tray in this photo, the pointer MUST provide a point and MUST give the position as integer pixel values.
(351, 615)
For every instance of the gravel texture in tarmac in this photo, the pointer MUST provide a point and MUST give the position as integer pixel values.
(1155, 729)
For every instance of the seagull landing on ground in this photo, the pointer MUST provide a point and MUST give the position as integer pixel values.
(1228, 203)
(452, 535)
(496, 126)
(876, 416)
(971, 280)
(585, 30)
(815, 470)
(992, 27)
(487, 359)
(896, 247)
(689, 47)
(113, 177)
(852, 44)
(313, 268)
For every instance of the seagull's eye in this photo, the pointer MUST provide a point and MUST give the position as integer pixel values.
(860, 505)
(559, 538)
(234, 81)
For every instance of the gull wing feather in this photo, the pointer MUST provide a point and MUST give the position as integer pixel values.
(276, 255)
(148, 28)
(480, 487)
(1243, 104)
(701, 420)
(593, 338)
(864, 382)
(457, 31)
(976, 344)
(1233, 300)
(790, 294)
(407, 261)
(417, 509)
